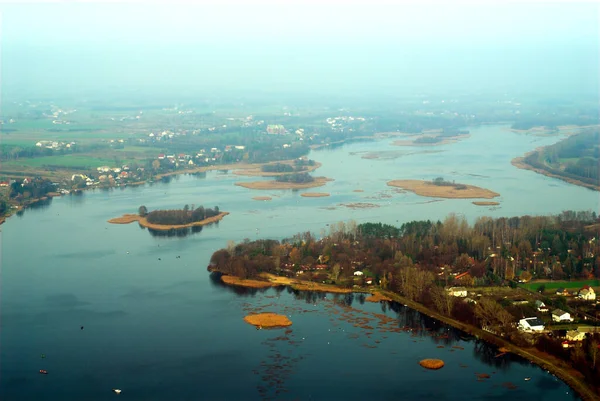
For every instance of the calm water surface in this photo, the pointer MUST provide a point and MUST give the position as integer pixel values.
(160, 328)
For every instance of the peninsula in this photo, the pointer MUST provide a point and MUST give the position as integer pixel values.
(450, 274)
(439, 188)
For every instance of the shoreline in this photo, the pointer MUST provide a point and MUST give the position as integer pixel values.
(267, 185)
(559, 368)
(519, 162)
(130, 218)
(426, 188)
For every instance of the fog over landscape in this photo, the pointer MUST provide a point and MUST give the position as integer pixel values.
(301, 47)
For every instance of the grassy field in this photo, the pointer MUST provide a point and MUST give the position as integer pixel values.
(73, 161)
(553, 285)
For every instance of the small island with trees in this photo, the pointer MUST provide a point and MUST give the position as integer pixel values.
(174, 219)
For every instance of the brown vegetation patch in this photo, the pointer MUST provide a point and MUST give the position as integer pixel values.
(318, 182)
(427, 188)
(268, 320)
(482, 375)
(376, 297)
(254, 170)
(315, 194)
(359, 190)
(485, 203)
(444, 141)
(509, 385)
(262, 198)
(432, 363)
(130, 218)
(232, 280)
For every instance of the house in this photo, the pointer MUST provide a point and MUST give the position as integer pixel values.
(574, 335)
(520, 302)
(4, 184)
(587, 293)
(531, 324)
(562, 291)
(161, 156)
(559, 315)
(540, 306)
(369, 280)
(461, 275)
(457, 291)
(240, 147)
(358, 273)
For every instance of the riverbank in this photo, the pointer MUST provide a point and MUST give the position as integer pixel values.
(317, 182)
(553, 365)
(454, 191)
(520, 162)
(130, 218)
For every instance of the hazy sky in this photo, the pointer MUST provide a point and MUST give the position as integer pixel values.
(295, 45)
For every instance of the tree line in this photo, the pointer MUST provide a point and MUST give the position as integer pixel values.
(186, 215)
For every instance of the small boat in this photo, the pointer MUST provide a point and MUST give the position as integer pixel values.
(527, 379)
(116, 390)
(44, 372)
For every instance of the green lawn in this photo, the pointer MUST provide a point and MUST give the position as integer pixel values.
(73, 161)
(552, 285)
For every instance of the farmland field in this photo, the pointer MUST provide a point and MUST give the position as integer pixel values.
(552, 285)
(73, 161)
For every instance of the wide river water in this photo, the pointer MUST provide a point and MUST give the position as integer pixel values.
(159, 327)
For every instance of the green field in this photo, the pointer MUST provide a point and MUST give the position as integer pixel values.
(553, 285)
(73, 161)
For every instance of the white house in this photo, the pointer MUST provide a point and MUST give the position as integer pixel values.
(457, 291)
(587, 293)
(574, 335)
(559, 315)
(358, 273)
(531, 324)
(540, 306)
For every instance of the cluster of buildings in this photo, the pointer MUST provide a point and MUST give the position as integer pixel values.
(339, 123)
(54, 145)
(203, 155)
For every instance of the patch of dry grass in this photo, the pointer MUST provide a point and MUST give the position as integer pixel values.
(426, 188)
(268, 320)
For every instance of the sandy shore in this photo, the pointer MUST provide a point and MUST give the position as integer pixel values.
(485, 203)
(130, 218)
(255, 170)
(268, 320)
(314, 194)
(271, 280)
(318, 182)
(426, 188)
(377, 297)
(262, 198)
(519, 162)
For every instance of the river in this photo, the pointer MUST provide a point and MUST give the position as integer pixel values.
(157, 326)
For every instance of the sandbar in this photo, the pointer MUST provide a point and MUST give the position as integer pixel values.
(445, 141)
(359, 205)
(485, 203)
(432, 363)
(318, 182)
(274, 281)
(314, 194)
(426, 188)
(233, 280)
(262, 198)
(130, 218)
(268, 320)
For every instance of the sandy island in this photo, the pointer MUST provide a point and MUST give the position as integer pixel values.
(318, 182)
(268, 320)
(314, 194)
(255, 170)
(358, 190)
(130, 218)
(485, 203)
(262, 198)
(426, 188)
(432, 363)
(445, 141)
